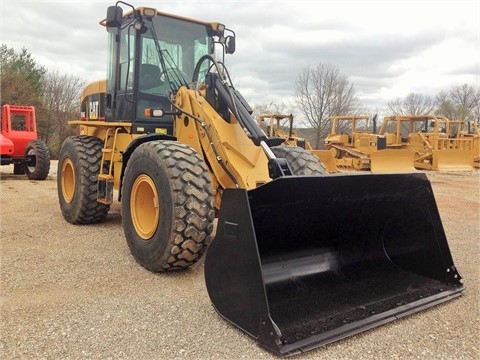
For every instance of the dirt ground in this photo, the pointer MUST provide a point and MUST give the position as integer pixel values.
(75, 292)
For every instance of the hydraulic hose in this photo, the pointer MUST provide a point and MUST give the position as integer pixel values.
(210, 139)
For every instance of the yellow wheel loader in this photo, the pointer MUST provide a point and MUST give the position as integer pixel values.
(276, 126)
(168, 131)
(356, 148)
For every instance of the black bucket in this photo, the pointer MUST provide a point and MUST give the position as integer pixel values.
(304, 261)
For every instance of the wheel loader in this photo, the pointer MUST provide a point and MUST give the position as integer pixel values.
(299, 258)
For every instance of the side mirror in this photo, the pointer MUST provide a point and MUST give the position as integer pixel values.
(230, 44)
(114, 17)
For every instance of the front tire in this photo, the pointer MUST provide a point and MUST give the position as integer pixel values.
(301, 161)
(167, 206)
(37, 165)
(77, 175)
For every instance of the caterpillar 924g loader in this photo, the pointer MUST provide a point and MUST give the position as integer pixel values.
(299, 258)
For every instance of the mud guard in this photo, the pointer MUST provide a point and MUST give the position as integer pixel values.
(304, 261)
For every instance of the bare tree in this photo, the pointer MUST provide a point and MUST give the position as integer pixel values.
(61, 94)
(271, 108)
(463, 95)
(413, 104)
(323, 92)
(445, 106)
(476, 106)
(461, 102)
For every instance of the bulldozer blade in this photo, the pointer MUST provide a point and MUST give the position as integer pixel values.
(392, 161)
(327, 158)
(449, 160)
(303, 261)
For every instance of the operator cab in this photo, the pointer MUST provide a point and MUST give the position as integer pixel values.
(150, 56)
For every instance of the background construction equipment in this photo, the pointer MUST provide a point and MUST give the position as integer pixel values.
(19, 143)
(357, 147)
(432, 141)
(278, 125)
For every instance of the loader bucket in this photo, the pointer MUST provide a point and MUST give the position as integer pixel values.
(391, 161)
(304, 261)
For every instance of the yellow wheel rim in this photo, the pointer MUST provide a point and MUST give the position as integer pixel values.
(144, 206)
(68, 180)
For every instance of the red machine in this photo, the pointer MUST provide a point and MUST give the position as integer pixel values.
(19, 144)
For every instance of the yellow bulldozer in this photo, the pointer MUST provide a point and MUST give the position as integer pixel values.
(177, 142)
(462, 129)
(476, 143)
(279, 125)
(356, 146)
(433, 141)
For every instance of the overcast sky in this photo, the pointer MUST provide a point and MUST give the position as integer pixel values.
(386, 48)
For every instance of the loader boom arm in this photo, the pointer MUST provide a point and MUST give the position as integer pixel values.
(236, 149)
(232, 157)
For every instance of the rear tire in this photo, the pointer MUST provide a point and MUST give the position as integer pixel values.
(167, 206)
(78, 169)
(39, 167)
(301, 161)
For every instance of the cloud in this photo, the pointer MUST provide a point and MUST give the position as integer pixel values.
(387, 49)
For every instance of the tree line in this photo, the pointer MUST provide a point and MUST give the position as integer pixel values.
(321, 91)
(55, 96)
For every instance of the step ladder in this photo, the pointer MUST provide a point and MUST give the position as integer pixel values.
(105, 177)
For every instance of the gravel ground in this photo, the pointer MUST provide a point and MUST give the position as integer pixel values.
(75, 292)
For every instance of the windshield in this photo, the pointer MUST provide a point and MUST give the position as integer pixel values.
(170, 49)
